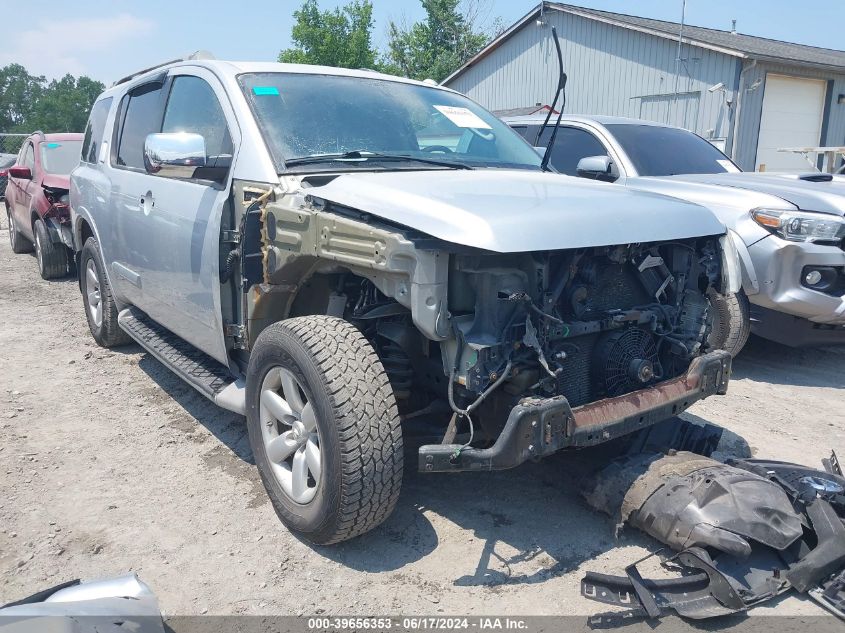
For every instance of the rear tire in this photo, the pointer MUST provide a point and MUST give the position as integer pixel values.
(316, 386)
(52, 258)
(19, 243)
(731, 321)
(100, 308)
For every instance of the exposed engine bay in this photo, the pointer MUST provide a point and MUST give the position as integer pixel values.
(585, 324)
(492, 338)
(59, 201)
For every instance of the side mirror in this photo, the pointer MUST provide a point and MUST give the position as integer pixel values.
(23, 173)
(597, 168)
(175, 154)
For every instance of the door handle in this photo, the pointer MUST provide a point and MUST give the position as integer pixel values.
(147, 202)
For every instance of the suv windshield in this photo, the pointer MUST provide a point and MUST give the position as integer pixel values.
(307, 116)
(60, 157)
(668, 151)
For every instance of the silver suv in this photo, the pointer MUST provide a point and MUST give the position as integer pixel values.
(334, 252)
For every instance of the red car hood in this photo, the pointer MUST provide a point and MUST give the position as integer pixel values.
(56, 181)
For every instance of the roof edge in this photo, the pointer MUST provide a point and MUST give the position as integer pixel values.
(641, 29)
(493, 44)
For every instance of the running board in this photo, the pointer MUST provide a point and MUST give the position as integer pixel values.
(203, 373)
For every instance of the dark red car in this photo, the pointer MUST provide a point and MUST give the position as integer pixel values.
(37, 203)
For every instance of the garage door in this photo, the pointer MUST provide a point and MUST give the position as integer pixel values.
(793, 110)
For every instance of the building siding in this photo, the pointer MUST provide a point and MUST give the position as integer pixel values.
(610, 69)
(751, 109)
(621, 72)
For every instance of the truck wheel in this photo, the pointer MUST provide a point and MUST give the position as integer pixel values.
(324, 428)
(19, 243)
(52, 258)
(731, 321)
(97, 298)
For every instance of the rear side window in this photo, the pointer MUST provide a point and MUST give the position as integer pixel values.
(95, 130)
(193, 107)
(142, 117)
(571, 145)
(665, 151)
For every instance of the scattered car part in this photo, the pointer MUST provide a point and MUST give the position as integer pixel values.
(752, 541)
(101, 606)
(686, 500)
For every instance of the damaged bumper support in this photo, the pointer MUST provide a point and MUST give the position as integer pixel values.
(537, 428)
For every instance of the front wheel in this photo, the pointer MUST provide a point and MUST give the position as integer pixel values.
(324, 428)
(731, 321)
(18, 242)
(52, 258)
(100, 308)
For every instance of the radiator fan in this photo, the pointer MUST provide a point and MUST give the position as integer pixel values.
(626, 360)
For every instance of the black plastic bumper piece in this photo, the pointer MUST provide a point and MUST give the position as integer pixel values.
(539, 427)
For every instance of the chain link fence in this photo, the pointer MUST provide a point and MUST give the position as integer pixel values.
(10, 145)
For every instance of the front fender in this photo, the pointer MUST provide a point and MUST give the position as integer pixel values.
(750, 284)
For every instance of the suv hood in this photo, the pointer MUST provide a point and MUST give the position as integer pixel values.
(823, 197)
(510, 211)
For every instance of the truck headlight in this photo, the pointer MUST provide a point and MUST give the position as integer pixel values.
(731, 272)
(801, 226)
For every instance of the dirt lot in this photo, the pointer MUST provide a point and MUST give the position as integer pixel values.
(108, 463)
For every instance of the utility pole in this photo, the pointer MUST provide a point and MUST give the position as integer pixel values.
(678, 61)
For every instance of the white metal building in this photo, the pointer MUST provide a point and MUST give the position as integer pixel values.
(749, 95)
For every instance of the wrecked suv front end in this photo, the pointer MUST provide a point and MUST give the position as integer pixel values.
(572, 348)
(515, 312)
(512, 348)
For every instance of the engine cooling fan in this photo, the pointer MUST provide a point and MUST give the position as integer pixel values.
(626, 360)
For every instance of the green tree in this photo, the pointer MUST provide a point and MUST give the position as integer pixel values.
(29, 102)
(435, 47)
(342, 37)
(19, 92)
(64, 104)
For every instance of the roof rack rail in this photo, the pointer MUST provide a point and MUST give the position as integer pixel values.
(193, 56)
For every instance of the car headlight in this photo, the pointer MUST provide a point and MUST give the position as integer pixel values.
(731, 272)
(801, 226)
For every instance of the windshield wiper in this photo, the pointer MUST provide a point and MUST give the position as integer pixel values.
(366, 155)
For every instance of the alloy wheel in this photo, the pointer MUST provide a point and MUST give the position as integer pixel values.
(39, 256)
(11, 227)
(92, 288)
(290, 434)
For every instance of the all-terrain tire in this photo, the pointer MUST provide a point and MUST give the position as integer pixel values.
(731, 321)
(18, 242)
(52, 258)
(107, 333)
(357, 419)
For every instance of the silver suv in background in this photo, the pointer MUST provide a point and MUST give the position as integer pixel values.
(332, 252)
(790, 228)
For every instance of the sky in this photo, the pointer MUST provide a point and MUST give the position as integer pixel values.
(108, 39)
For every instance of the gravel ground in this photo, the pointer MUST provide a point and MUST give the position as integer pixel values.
(108, 463)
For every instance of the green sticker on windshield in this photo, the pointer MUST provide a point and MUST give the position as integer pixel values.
(263, 91)
(53, 145)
